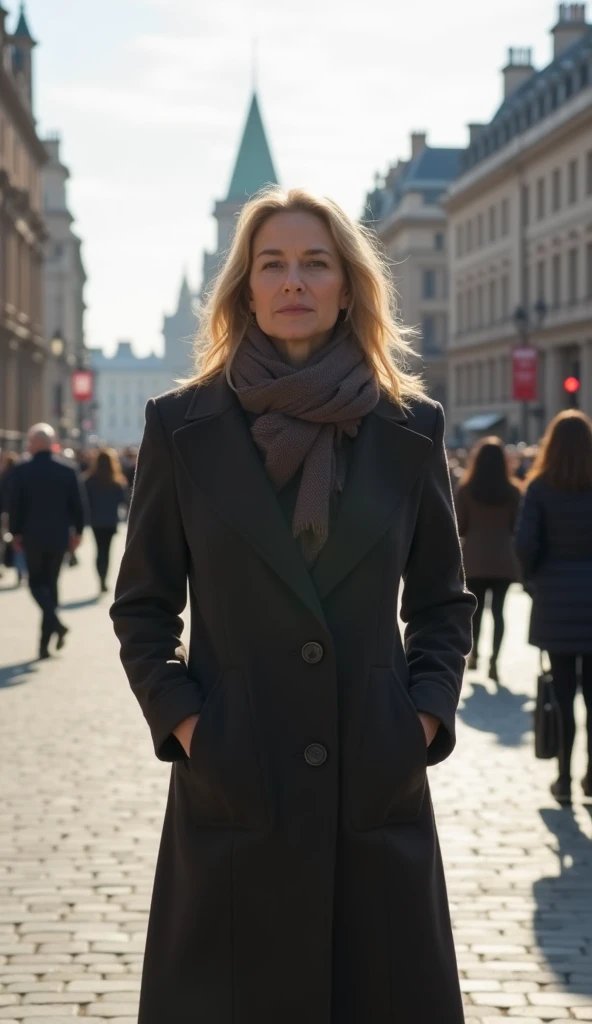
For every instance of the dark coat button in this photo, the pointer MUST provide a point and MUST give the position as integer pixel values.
(312, 653)
(315, 754)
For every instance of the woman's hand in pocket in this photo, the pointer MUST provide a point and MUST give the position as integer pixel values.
(184, 732)
(430, 724)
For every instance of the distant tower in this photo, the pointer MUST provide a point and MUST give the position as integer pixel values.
(22, 57)
(179, 331)
(252, 170)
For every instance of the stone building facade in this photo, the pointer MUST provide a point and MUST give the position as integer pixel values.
(64, 278)
(405, 210)
(520, 225)
(23, 349)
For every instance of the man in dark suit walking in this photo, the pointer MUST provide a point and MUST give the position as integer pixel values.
(46, 517)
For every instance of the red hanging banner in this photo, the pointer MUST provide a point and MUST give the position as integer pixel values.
(524, 373)
(82, 386)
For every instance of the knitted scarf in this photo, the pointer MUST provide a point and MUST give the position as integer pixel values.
(302, 414)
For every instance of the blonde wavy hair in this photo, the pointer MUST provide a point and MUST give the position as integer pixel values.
(225, 316)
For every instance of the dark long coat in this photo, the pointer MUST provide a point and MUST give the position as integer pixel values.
(299, 876)
(554, 544)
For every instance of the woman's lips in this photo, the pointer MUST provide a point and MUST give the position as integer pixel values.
(294, 310)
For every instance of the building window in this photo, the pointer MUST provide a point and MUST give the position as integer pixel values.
(480, 305)
(459, 313)
(556, 188)
(457, 385)
(541, 279)
(491, 380)
(525, 203)
(573, 266)
(589, 270)
(459, 240)
(556, 281)
(479, 387)
(492, 223)
(479, 230)
(505, 297)
(469, 236)
(492, 301)
(505, 217)
(572, 179)
(589, 173)
(470, 309)
(540, 198)
(429, 284)
(439, 241)
(430, 340)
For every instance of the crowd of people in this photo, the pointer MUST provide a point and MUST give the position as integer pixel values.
(524, 516)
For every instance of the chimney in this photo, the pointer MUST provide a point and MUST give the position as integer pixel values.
(474, 132)
(570, 27)
(518, 69)
(418, 143)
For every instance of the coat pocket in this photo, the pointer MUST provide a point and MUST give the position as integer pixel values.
(225, 774)
(388, 780)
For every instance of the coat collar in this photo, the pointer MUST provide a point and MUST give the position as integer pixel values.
(219, 454)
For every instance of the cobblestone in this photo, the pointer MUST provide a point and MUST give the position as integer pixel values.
(83, 799)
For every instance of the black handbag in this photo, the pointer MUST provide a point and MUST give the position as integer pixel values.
(547, 717)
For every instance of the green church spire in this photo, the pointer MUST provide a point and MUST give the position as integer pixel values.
(254, 165)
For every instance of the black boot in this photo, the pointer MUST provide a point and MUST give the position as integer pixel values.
(561, 790)
(61, 635)
(493, 670)
(44, 648)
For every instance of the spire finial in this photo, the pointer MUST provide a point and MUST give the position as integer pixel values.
(254, 56)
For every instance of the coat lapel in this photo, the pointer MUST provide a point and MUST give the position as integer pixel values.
(222, 460)
(387, 459)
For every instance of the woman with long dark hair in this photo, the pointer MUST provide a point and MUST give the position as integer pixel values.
(487, 503)
(107, 491)
(288, 488)
(554, 544)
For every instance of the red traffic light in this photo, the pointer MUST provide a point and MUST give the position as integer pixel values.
(571, 385)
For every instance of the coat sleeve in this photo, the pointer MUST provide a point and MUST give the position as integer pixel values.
(15, 503)
(462, 511)
(436, 606)
(151, 594)
(529, 537)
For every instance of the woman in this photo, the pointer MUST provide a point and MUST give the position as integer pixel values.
(487, 504)
(293, 482)
(554, 544)
(106, 490)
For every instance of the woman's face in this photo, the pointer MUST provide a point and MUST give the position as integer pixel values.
(297, 283)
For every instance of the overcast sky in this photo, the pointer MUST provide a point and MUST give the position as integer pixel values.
(150, 98)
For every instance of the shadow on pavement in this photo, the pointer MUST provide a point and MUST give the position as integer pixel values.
(14, 675)
(563, 917)
(502, 713)
(84, 602)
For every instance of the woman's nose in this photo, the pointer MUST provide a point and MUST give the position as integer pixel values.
(293, 279)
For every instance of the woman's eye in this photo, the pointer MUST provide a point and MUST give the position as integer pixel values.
(272, 263)
(317, 263)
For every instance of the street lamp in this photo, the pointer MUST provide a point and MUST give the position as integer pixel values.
(57, 344)
(524, 321)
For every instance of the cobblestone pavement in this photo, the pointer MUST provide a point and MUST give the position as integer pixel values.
(82, 802)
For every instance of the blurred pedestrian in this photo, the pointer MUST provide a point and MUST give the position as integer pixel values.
(9, 556)
(554, 544)
(106, 490)
(487, 505)
(45, 505)
(291, 483)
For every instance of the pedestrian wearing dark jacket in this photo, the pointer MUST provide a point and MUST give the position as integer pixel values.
(106, 491)
(487, 503)
(46, 517)
(293, 485)
(554, 544)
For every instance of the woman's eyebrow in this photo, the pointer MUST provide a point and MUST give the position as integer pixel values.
(280, 252)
